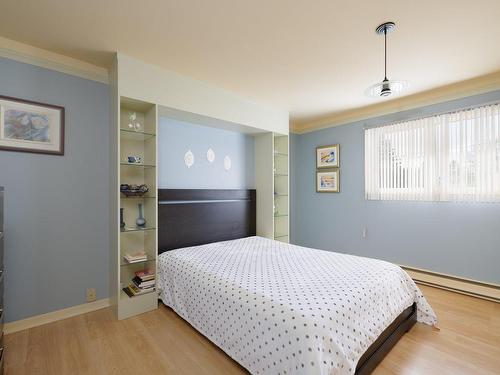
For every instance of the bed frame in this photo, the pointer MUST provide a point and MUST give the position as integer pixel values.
(191, 217)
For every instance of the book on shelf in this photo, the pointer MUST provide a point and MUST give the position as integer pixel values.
(139, 256)
(145, 274)
(143, 284)
(133, 290)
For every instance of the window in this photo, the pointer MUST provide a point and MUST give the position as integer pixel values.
(449, 157)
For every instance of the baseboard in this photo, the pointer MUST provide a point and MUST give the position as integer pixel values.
(38, 320)
(474, 288)
(479, 289)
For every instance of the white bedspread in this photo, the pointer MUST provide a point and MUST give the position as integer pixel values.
(284, 309)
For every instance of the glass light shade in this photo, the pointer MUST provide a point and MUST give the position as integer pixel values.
(386, 88)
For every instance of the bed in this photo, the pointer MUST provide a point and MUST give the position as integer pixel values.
(277, 308)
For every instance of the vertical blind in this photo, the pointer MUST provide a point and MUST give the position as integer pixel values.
(448, 157)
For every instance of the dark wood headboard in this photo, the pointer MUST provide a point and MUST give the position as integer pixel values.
(191, 217)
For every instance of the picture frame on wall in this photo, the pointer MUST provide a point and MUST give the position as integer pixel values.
(327, 156)
(328, 181)
(27, 126)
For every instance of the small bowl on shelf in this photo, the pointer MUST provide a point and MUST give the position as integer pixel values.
(132, 159)
(133, 190)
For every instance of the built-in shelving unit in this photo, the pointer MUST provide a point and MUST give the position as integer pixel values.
(150, 92)
(272, 184)
(281, 187)
(136, 136)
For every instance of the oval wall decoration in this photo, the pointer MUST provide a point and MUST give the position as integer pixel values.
(210, 155)
(188, 159)
(227, 163)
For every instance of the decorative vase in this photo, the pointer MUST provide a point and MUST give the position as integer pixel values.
(140, 221)
(122, 223)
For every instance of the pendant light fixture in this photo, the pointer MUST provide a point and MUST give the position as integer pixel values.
(386, 87)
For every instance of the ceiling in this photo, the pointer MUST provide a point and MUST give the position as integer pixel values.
(312, 58)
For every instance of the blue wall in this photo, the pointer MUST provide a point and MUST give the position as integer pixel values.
(56, 207)
(176, 137)
(294, 172)
(461, 239)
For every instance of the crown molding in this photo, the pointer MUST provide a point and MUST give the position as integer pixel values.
(25, 53)
(475, 86)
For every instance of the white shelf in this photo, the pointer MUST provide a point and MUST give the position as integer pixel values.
(143, 144)
(136, 229)
(136, 197)
(133, 135)
(137, 165)
(281, 185)
(281, 154)
(124, 263)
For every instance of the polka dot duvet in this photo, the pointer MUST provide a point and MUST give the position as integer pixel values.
(278, 308)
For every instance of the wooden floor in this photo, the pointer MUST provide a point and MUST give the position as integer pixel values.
(160, 342)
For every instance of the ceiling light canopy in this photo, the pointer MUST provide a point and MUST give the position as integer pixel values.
(386, 87)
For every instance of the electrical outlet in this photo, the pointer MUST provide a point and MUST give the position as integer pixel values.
(90, 294)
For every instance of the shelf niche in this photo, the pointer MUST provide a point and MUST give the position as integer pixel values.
(136, 129)
(273, 185)
(281, 185)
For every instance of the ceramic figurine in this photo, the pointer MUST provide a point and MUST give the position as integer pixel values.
(140, 221)
(133, 124)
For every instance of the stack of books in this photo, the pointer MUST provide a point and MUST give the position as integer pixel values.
(139, 256)
(145, 275)
(142, 283)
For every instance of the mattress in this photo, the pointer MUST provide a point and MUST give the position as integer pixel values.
(278, 308)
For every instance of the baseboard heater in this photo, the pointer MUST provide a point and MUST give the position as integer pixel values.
(474, 288)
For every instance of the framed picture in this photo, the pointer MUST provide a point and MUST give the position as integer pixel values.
(327, 181)
(28, 126)
(327, 156)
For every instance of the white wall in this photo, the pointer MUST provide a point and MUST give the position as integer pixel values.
(150, 83)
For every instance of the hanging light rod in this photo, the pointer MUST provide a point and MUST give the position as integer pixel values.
(386, 87)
